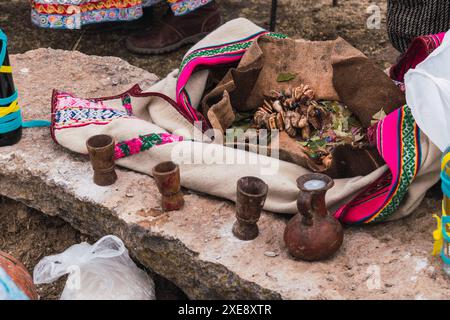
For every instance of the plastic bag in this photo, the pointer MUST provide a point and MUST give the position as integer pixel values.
(428, 94)
(103, 271)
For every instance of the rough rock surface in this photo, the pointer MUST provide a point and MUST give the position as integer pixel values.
(194, 247)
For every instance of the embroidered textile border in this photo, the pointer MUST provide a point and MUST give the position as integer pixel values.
(410, 158)
(143, 143)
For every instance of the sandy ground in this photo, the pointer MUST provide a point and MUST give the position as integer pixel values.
(29, 236)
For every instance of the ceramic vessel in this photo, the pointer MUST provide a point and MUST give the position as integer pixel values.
(19, 275)
(313, 234)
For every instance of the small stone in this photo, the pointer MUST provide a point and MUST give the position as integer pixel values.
(349, 274)
(22, 214)
(129, 195)
(360, 262)
(105, 81)
(271, 276)
(12, 228)
(24, 70)
(271, 254)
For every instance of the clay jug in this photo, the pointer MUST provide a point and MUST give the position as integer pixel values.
(19, 275)
(313, 234)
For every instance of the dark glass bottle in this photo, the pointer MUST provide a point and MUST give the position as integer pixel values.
(6, 90)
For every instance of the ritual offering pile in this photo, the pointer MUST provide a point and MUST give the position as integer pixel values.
(318, 126)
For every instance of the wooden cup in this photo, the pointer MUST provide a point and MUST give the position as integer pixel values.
(101, 153)
(250, 199)
(167, 177)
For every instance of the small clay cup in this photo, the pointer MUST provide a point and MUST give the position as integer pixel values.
(251, 196)
(101, 153)
(167, 177)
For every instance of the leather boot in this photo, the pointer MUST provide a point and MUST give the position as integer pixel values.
(172, 32)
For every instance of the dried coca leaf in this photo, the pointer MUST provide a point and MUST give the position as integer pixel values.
(353, 122)
(285, 77)
(243, 121)
(343, 128)
(303, 143)
(378, 116)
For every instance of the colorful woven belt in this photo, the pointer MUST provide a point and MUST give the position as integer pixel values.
(10, 114)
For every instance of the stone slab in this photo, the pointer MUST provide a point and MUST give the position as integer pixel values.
(194, 247)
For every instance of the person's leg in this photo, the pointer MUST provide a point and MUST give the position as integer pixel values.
(185, 23)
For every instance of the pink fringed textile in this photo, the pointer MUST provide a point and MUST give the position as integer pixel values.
(209, 57)
(419, 49)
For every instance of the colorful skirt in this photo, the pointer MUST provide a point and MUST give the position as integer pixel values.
(73, 14)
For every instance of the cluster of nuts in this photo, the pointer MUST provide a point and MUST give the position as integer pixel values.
(293, 110)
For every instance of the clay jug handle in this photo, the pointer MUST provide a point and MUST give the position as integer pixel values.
(305, 207)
